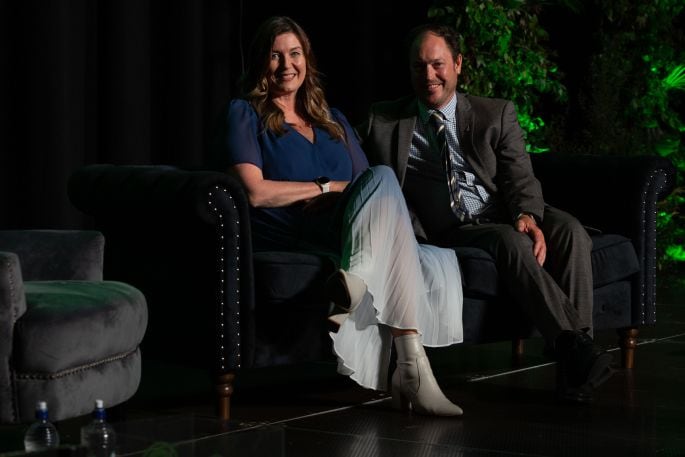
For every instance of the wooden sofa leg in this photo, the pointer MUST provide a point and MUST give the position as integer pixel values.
(628, 342)
(224, 390)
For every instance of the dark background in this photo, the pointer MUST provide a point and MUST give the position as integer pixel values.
(142, 81)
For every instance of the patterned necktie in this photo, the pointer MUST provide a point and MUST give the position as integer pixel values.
(438, 122)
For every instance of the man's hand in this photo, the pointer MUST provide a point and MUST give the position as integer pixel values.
(526, 224)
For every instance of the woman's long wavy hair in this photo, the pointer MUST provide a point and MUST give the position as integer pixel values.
(310, 103)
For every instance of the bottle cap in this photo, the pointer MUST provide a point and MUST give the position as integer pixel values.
(41, 405)
(99, 404)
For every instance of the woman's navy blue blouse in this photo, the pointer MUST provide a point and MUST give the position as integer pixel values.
(290, 157)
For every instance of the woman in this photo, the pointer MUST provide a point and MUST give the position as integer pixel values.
(310, 188)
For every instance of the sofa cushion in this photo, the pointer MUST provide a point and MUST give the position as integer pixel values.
(478, 272)
(296, 277)
(613, 259)
(285, 278)
(71, 324)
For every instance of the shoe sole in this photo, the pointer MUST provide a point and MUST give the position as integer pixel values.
(336, 320)
(336, 290)
(600, 372)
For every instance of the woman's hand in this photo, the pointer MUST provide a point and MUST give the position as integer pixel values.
(322, 202)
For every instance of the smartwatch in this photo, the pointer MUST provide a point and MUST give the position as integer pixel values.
(324, 183)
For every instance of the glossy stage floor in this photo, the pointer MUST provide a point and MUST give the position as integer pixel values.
(309, 410)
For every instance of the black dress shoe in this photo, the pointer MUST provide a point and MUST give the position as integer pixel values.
(581, 366)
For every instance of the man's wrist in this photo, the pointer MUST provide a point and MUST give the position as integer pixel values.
(531, 216)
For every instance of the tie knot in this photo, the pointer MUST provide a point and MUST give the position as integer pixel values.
(438, 121)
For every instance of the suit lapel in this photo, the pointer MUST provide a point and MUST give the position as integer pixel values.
(466, 143)
(465, 117)
(405, 130)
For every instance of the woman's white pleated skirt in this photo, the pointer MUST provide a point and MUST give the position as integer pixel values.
(410, 285)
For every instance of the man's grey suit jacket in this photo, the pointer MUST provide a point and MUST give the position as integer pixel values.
(490, 137)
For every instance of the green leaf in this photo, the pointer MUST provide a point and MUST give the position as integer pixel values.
(676, 78)
(676, 252)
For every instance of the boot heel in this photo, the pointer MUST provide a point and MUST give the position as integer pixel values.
(399, 401)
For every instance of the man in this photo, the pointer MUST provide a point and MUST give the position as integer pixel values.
(468, 179)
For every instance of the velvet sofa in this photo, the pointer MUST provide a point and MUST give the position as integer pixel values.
(232, 308)
(67, 336)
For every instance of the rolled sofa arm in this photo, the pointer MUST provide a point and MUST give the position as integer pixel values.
(12, 307)
(180, 236)
(615, 194)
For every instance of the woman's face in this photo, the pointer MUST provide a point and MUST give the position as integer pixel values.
(287, 66)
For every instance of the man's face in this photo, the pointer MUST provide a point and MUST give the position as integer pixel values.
(434, 71)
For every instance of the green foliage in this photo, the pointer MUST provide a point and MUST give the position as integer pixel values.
(505, 56)
(633, 97)
(629, 99)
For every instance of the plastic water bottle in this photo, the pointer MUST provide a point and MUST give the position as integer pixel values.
(41, 434)
(98, 436)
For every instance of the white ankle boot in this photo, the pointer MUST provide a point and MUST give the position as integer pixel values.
(413, 383)
(346, 290)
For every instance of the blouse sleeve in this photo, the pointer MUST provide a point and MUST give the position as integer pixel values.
(359, 161)
(242, 130)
